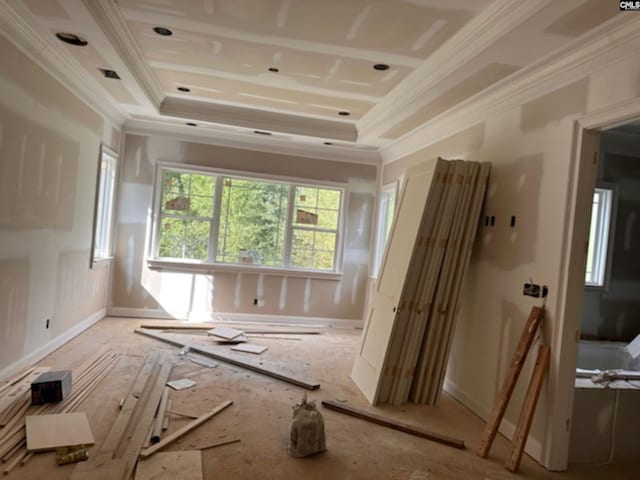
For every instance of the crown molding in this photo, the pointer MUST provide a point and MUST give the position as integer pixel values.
(247, 141)
(591, 52)
(499, 18)
(20, 27)
(258, 119)
(108, 16)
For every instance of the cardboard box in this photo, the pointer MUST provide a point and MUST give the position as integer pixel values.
(51, 387)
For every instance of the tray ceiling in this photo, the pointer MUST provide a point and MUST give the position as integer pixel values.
(306, 69)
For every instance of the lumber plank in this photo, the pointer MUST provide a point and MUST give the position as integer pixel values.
(159, 421)
(184, 430)
(209, 352)
(524, 345)
(528, 408)
(393, 424)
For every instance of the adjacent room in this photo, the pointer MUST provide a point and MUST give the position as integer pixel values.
(350, 239)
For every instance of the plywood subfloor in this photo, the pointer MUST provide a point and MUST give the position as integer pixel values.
(186, 465)
(261, 417)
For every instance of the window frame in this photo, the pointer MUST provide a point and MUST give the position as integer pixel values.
(104, 212)
(155, 262)
(606, 256)
(381, 223)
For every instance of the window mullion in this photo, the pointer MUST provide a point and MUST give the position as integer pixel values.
(289, 226)
(215, 221)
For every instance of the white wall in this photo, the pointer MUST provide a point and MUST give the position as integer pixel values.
(49, 145)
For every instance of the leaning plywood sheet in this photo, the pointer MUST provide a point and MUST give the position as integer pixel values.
(186, 465)
(249, 348)
(47, 432)
(368, 367)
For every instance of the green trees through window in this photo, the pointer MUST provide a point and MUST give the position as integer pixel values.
(247, 221)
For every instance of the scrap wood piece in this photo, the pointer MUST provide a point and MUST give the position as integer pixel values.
(184, 430)
(206, 351)
(181, 384)
(219, 444)
(226, 333)
(186, 465)
(524, 345)
(249, 348)
(282, 329)
(48, 432)
(528, 408)
(234, 341)
(393, 424)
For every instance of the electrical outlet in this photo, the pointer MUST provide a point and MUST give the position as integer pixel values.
(534, 290)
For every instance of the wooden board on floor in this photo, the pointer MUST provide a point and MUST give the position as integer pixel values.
(185, 465)
(47, 432)
(226, 333)
(249, 348)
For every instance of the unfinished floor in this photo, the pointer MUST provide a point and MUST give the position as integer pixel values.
(261, 416)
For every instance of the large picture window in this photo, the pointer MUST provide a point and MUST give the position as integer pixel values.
(226, 219)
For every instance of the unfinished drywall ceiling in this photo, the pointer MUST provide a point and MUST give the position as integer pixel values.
(363, 72)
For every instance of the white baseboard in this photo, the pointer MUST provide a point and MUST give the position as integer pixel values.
(533, 447)
(52, 345)
(235, 317)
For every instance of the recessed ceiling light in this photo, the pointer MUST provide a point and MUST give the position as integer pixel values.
(191, 124)
(71, 39)
(274, 69)
(184, 89)
(344, 113)
(381, 66)
(261, 132)
(165, 32)
(328, 143)
(109, 73)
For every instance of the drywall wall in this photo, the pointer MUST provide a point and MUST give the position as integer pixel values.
(613, 312)
(531, 149)
(49, 145)
(137, 290)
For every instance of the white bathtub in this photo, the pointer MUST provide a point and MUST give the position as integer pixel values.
(593, 355)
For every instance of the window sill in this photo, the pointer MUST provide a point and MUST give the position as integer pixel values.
(199, 267)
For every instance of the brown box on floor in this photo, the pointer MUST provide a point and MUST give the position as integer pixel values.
(51, 387)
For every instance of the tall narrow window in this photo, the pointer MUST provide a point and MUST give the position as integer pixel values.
(103, 221)
(597, 253)
(386, 212)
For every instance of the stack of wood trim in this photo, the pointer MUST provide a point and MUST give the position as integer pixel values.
(16, 398)
(117, 456)
(416, 347)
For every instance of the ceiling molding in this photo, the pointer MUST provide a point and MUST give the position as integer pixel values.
(589, 53)
(373, 56)
(245, 141)
(107, 15)
(482, 31)
(22, 29)
(258, 119)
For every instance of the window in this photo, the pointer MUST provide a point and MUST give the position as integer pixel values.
(226, 219)
(103, 216)
(597, 253)
(386, 213)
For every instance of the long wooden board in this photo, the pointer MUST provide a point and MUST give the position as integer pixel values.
(209, 352)
(528, 408)
(393, 424)
(47, 432)
(147, 452)
(524, 345)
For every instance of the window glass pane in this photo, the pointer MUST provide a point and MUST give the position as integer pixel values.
(188, 194)
(187, 239)
(252, 222)
(104, 207)
(317, 207)
(598, 237)
(311, 249)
